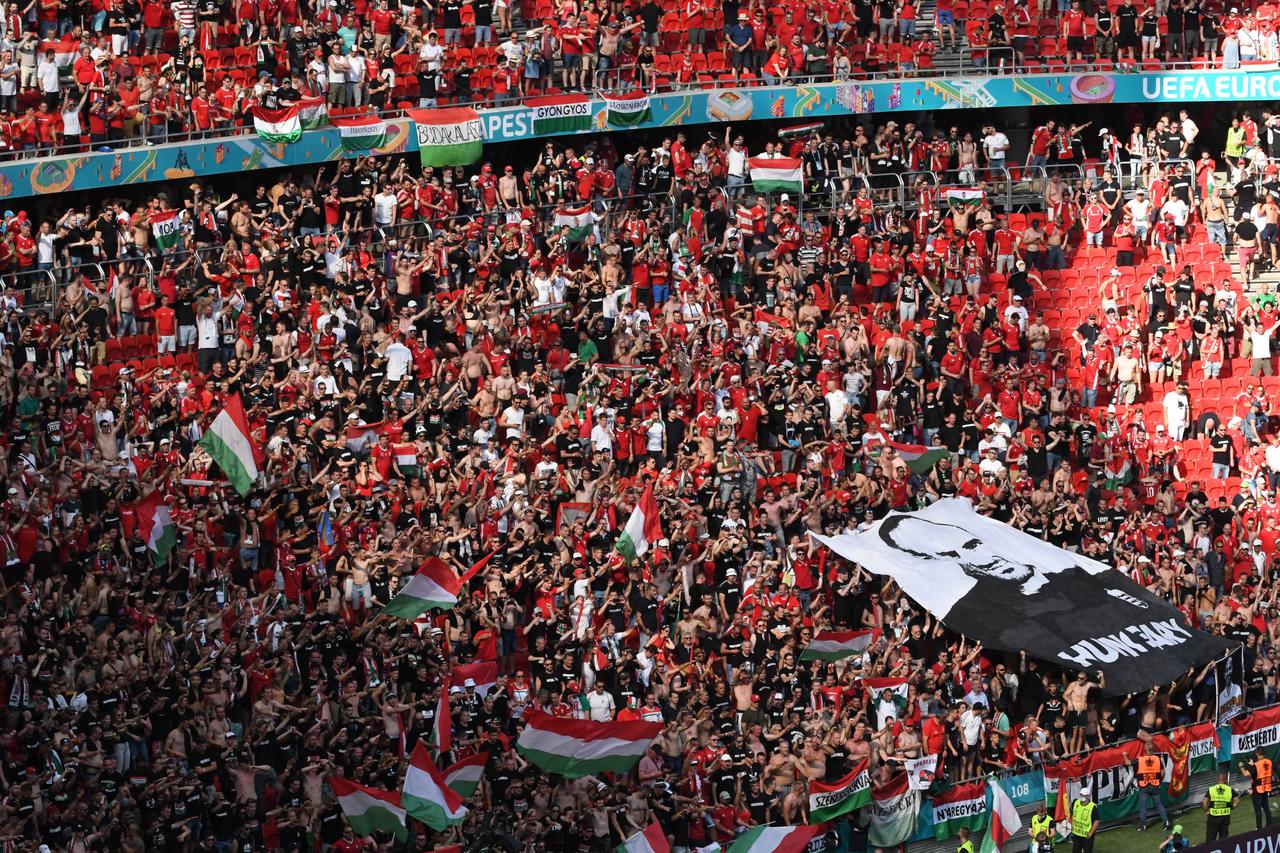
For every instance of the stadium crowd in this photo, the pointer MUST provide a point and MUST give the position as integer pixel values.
(76, 75)
(432, 367)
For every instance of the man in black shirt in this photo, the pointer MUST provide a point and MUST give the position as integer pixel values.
(1127, 30)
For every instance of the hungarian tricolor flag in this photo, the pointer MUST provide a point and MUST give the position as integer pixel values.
(876, 686)
(838, 645)
(643, 529)
(828, 801)
(370, 810)
(960, 806)
(649, 840)
(776, 174)
(442, 725)
(964, 200)
(894, 806)
(166, 229)
(406, 456)
(432, 586)
(425, 795)
(1253, 730)
(775, 839)
(577, 748)
(283, 125)
(230, 444)
(1004, 823)
(919, 459)
(581, 221)
(64, 50)
(464, 776)
(448, 137)
(361, 133)
(627, 110)
(157, 526)
(566, 113)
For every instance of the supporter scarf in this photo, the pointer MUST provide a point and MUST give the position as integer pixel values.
(19, 694)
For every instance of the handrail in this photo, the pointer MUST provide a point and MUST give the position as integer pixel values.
(244, 128)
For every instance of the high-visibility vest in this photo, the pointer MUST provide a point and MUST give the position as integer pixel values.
(1262, 784)
(966, 847)
(1082, 818)
(1220, 797)
(1040, 824)
(1149, 774)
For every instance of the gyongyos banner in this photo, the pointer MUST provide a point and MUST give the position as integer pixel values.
(1014, 592)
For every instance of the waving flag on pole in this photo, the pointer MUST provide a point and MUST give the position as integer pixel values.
(433, 586)
(649, 840)
(577, 748)
(1004, 823)
(442, 724)
(464, 776)
(643, 529)
(425, 795)
(230, 444)
(838, 645)
(370, 810)
(157, 526)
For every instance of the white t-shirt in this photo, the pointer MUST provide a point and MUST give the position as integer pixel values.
(433, 54)
(601, 705)
(996, 145)
(1261, 344)
(514, 418)
(47, 73)
(384, 208)
(399, 357)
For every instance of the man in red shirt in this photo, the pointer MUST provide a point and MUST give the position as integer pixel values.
(166, 327)
(1095, 217)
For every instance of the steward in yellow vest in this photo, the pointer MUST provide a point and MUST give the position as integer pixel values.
(1218, 803)
(1084, 822)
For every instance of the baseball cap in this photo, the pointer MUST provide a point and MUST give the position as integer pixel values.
(1085, 793)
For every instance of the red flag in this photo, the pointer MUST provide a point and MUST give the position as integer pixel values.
(478, 567)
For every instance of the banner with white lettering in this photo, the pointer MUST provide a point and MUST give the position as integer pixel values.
(1256, 730)
(1016, 593)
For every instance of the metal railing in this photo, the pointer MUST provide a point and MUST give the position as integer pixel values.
(242, 126)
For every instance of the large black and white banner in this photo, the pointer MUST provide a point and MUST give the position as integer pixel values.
(1014, 592)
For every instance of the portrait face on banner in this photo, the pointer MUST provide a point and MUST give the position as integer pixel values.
(1011, 591)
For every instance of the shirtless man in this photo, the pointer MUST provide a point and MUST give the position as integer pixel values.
(405, 271)
(474, 368)
(509, 190)
(503, 387)
(781, 770)
(1076, 700)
